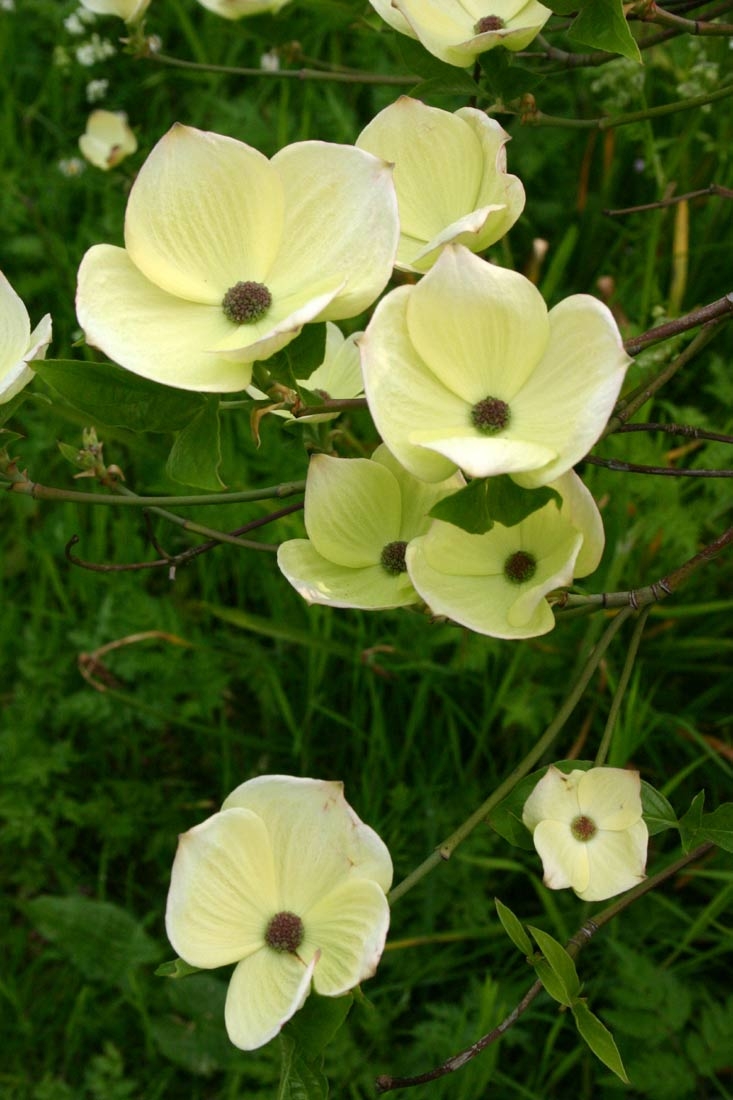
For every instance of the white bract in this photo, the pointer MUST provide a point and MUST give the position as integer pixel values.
(108, 139)
(228, 254)
(129, 10)
(468, 369)
(450, 176)
(360, 515)
(588, 830)
(496, 583)
(457, 31)
(288, 883)
(235, 9)
(18, 345)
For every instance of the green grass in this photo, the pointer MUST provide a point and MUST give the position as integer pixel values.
(238, 677)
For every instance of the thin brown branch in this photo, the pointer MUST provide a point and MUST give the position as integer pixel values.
(619, 466)
(704, 192)
(354, 77)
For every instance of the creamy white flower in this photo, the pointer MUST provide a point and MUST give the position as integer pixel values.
(457, 31)
(450, 176)
(588, 830)
(108, 139)
(228, 255)
(129, 10)
(288, 883)
(18, 345)
(235, 9)
(468, 369)
(496, 583)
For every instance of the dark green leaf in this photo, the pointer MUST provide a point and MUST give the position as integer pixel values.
(489, 500)
(117, 397)
(9, 408)
(176, 968)
(560, 962)
(691, 822)
(599, 1039)
(504, 78)
(718, 827)
(299, 359)
(553, 985)
(602, 25)
(196, 454)
(315, 1025)
(658, 812)
(513, 928)
(456, 82)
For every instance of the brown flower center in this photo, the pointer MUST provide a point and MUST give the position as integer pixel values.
(491, 415)
(520, 567)
(392, 558)
(285, 932)
(489, 23)
(583, 828)
(246, 302)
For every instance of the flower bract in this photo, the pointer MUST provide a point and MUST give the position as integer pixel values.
(588, 830)
(129, 10)
(288, 883)
(235, 9)
(450, 176)
(496, 583)
(18, 345)
(468, 369)
(457, 31)
(360, 516)
(108, 139)
(228, 254)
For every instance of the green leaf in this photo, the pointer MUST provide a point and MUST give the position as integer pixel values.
(562, 966)
(299, 1079)
(299, 359)
(196, 454)
(551, 982)
(117, 397)
(313, 1028)
(504, 78)
(513, 928)
(657, 810)
(9, 408)
(691, 822)
(489, 500)
(602, 24)
(718, 827)
(599, 1039)
(177, 968)
(103, 941)
(456, 82)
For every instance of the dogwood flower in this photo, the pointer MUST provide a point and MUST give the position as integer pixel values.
(288, 883)
(468, 369)
(108, 139)
(235, 9)
(450, 176)
(228, 254)
(457, 31)
(360, 515)
(496, 583)
(588, 830)
(129, 10)
(18, 345)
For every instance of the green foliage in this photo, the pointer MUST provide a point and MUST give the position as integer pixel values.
(489, 500)
(602, 24)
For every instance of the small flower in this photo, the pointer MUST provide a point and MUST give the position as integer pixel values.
(228, 255)
(468, 369)
(497, 583)
(71, 166)
(235, 9)
(18, 345)
(457, 31)
(450, 176)
(270, 61)
(96, 49)
(129, 10)
(588, 830)
(96, 90)
(288, 883)
(360, 516)
(108, 139)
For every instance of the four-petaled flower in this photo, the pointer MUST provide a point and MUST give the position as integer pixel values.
(107, 139)
(228, 254)
(450, 175)
(457, 31)
(288, 883)
(468, 369)
(18, 345)
(588, 830)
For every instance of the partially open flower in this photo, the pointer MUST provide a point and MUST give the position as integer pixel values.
(108, 139)
(497, 583)
(360, 515)
(18, 345)
(129, 10)
(588, 830)
(457, 31)
(228, 254)
(468, 369)
(288, 883)
(235, 9)
(450, 175)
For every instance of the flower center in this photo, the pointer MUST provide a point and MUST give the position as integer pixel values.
(285, 932)
(491, 415)
(583, 828)
(392, 558)
(520, 567)
(244, 303)
(489, 23)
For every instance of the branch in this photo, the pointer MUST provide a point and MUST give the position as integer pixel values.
(618, 466)
(354, 77)
(530, 115)
(704, 192)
